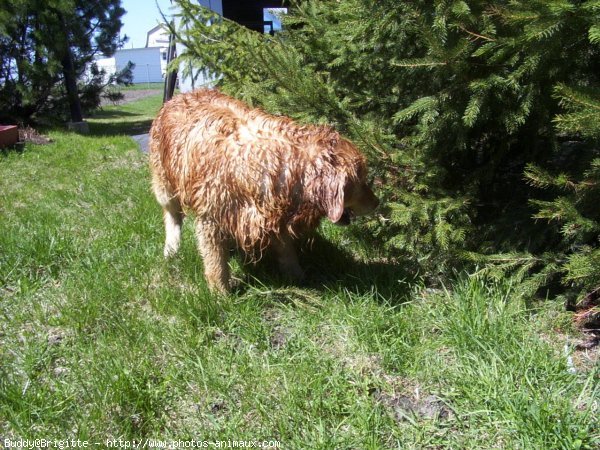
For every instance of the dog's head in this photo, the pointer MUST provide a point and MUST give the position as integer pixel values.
(346, 193)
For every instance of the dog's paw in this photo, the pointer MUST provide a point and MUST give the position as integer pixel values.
(170, 251)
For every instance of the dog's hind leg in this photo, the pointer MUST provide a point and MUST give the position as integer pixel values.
(287, 258)
(214, 250)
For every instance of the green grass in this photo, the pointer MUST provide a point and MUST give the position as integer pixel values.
(101, 338)
(129, 119)
(142, 86)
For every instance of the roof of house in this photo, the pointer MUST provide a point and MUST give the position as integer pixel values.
(154, 30)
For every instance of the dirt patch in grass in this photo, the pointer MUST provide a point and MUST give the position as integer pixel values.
(131, 96)
(410, 408)
(587, 319)
(28, 134)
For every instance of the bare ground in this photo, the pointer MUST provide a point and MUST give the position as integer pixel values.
(131, 96)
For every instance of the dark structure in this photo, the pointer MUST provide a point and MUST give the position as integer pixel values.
(245, 12)
(249, 13)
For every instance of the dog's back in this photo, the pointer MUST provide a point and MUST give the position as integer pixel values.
(228, 162)
(185, 139)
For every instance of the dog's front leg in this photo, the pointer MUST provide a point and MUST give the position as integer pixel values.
(287, 257)
(215, 251)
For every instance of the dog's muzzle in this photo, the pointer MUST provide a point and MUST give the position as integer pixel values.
(346, 218)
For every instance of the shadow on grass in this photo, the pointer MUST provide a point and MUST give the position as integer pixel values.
(126, 128)
(330, 271)
(112, 114)
(129, 119)
(330, 268)
(12, 149)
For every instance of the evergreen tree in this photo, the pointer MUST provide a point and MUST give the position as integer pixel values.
(48, 43)
(454, 101)
(575, 208)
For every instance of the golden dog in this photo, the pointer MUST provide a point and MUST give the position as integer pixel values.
(250, 178)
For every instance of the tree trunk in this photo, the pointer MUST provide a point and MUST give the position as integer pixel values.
(71, 86)
(171, 77)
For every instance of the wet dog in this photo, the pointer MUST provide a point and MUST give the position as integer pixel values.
(250, 178)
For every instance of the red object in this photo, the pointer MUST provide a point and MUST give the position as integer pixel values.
(9, 135)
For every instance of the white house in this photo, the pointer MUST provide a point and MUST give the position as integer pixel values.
(150, 61)
(106, 64)
(148, 67)
(271, 15)
(159, 37)
(200, 77)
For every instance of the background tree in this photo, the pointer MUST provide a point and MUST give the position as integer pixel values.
(46, 47)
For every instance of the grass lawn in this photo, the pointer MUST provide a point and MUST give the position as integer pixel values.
(142, 86)
(129, 119)
(100, 338)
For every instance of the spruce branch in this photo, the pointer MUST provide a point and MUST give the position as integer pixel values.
(477, 36)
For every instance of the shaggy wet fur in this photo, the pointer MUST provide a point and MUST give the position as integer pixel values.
(251, 179)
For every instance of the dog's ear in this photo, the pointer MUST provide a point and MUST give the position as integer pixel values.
(333, 196)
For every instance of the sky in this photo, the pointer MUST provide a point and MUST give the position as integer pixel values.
(141, 17)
